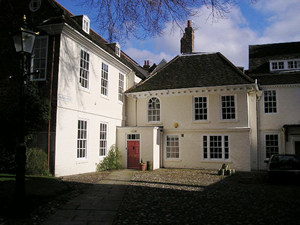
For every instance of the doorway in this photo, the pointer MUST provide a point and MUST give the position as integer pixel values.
(133, 151)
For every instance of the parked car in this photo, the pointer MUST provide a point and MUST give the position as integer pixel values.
(283, 166)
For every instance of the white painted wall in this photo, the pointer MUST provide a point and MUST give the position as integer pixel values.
(149, 144)
(288, 112)
(178, 108)
(75, 103)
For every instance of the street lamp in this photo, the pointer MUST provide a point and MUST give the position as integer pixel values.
(24, 42)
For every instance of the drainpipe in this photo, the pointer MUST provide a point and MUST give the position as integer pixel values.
(259, 95)
(136, 116)
(50, 102)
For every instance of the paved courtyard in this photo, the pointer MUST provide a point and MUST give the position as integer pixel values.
(182, 196)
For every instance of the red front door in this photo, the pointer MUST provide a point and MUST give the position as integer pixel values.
(133, 154)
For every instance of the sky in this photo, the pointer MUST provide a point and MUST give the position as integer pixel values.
(263, 22)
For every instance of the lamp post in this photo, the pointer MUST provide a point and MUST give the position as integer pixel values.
(24, 42)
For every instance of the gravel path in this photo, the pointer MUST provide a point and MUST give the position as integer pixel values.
(182, 196)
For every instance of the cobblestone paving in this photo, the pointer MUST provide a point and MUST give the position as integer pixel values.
(182, 196)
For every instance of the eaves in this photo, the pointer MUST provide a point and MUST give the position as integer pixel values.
(67, 30)
(196, 91)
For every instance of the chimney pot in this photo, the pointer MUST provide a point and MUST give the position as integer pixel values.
(187, 41)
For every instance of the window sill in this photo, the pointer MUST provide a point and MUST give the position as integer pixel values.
(84, 89)
(229, 121)
(173, 160)
(201, 121)
(155, 122)
(81, 161)
(104, 97)
(216, 161)
(272, 113)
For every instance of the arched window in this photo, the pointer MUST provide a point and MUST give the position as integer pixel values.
(153, 109)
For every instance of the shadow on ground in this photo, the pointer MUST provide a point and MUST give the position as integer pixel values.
(245, 198)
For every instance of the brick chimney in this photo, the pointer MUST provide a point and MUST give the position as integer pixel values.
(146, 65)
(187, 41)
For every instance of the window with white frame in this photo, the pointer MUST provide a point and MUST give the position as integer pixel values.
(133, 136)
(121, 87)
(228, 107)
(118, 49)
(153, 109)
(270, 103)
(200, 108)
(272, 144)
(84, 69)
(172, 147)
(104, 79)
(39, 58)
(103, 139)
(294, 64)
(82, 139)
(281, 65)
(86, 24)
(216, 147)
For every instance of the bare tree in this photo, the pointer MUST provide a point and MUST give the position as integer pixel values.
(147, 18)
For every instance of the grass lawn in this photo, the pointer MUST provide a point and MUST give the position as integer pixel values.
(39, 192)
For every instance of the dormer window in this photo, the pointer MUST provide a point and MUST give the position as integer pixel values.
(86, 24)
(294, 64)
(118, 49)
(277, 65)
(284, 65)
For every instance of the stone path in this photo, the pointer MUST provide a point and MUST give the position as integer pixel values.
(98, 205)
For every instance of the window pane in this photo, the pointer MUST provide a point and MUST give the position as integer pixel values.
(270, 104)
(172, 147)
(104, 79)
(271, 143)
(82, 139)
(200, 108)
(154, 109)
(228, 107)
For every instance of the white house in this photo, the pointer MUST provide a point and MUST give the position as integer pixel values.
(197, 111)
(277, 69)
(85, 78)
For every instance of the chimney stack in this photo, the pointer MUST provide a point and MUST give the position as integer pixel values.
(187, 41)
(146, 65)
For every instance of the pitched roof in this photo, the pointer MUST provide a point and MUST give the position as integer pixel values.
(260, 55)
(52, 12)
(100, 41)
(194, 70)
(278, 78)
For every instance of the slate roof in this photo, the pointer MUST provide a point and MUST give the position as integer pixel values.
(273, 79)
(194, 70)
(52, 12)
(69, 18)
(260, 55)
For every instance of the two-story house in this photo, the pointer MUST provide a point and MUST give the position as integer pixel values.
(277, 70)
(84, 77)
(196, 111)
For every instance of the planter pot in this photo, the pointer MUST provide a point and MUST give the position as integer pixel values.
(143, 166)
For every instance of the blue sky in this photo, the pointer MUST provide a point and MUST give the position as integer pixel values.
(267, 21)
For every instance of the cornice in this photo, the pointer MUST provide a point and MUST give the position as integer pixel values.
(280, 85)
(195, 91)
(67, 30)
(209, 130)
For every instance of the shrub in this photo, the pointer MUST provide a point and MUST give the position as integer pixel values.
(7, 161)
(37, 162)
(111, 161)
